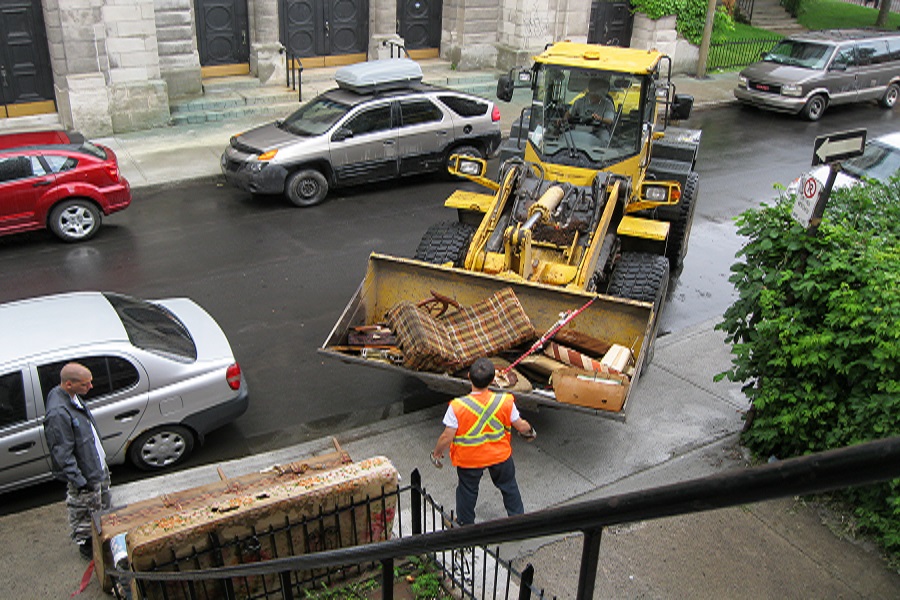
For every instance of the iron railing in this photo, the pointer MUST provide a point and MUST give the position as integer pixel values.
(744, 8)
(862, 464)
(738, 53)
(294, 72)
(397, 45)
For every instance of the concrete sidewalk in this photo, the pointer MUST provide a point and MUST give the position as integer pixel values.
(681, 425)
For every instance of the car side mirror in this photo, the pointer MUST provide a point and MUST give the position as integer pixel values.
(681, 107)
(763, 55)
(341, 134)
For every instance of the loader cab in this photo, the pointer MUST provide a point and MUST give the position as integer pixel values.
(588, 118)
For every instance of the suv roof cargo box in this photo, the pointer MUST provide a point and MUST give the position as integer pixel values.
(378, 75)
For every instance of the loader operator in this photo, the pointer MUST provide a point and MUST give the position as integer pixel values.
(594, 107)
(477, 431)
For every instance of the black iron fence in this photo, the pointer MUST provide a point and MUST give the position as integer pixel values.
(738, 53)
(422, 528)
(294, 72)
(744, 10)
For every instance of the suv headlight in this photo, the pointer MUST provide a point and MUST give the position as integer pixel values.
(742, 81)
(792, 89)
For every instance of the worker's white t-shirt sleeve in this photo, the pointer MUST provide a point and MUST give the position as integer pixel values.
(450, 418)
(514, 415)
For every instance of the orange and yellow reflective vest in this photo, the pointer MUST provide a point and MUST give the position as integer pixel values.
(482, 437)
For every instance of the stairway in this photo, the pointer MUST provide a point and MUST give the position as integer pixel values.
(770, 15)
(233, 98)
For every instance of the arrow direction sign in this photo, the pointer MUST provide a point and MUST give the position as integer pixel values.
(838, 146)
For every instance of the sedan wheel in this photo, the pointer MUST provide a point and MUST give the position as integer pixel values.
(75, 220)
(162, 447)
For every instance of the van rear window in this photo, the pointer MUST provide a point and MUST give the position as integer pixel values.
(153, 327)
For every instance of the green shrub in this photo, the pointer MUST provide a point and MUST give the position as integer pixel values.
(815, 334)
(691, 16)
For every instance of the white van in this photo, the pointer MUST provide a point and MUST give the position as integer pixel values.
(806, 73)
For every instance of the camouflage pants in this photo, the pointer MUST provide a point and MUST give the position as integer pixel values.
(81, 504)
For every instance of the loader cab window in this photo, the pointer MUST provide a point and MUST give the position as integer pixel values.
(585, 117)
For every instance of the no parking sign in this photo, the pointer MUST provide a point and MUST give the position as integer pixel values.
(807, 197)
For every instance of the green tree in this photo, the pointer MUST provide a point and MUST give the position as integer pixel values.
(815, 333)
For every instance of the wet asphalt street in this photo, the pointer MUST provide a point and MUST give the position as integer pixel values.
(277, 277)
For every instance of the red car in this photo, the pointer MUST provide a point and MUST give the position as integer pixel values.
(57, 179)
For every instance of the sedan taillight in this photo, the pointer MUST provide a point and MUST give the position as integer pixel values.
(233, 376)
(113, 170)
(495, 114)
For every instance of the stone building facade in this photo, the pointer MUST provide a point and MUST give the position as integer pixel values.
(116, 65)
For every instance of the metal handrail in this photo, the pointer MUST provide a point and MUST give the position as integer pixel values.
(866, 463)
(294, 72)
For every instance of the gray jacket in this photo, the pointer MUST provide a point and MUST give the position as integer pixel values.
(73, 453)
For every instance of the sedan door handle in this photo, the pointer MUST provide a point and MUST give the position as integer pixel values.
(126, 416)
(388, 142)
(21, 448)
(42, 182)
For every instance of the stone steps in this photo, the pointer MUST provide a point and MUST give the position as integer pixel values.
(770, 15)
(237, 97)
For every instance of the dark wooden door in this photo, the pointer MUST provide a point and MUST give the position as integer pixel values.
(26, 81)
(324, 27)
(610, 24)
(222, 32)
(419, 23)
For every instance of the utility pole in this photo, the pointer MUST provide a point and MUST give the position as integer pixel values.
(707, 35)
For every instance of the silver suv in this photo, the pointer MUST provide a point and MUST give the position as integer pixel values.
(381, 122)
(163, 374)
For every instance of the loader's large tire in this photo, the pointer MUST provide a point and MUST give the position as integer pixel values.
(644, 277)
(445, 242)
(680, 219)
(640, 276)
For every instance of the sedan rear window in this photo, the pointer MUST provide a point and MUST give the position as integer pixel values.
(800, 54)
(153, 327)
(878, 161)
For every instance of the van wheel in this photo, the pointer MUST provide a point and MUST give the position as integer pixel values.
(75, 220)
(814, 108)
(161, 447)
(306, 188)
(890, 96)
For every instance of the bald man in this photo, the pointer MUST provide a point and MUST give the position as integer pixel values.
(76, 453)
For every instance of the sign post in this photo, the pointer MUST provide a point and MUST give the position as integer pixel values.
(809, 206)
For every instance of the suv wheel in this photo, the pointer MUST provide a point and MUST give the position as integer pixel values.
(306, 188)
(75, 220)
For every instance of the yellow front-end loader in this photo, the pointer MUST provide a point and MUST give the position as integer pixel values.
(591, 210)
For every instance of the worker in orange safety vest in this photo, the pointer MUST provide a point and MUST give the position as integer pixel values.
(477, 431)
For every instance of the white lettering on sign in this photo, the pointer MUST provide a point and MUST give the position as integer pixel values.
(807, 197)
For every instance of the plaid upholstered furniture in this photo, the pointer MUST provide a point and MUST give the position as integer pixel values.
(454, 340)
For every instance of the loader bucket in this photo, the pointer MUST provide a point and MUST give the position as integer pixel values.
(390, 280)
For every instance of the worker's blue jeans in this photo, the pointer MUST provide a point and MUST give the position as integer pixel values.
(503, 475)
